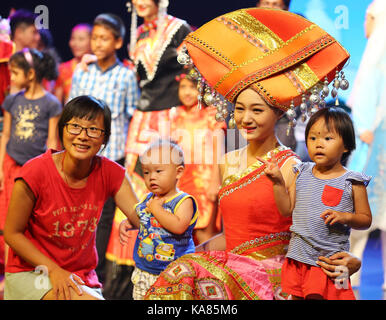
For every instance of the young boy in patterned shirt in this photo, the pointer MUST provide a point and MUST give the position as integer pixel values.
(167, 216)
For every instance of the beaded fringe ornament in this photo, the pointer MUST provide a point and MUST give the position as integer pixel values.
(315, 96)
(316, 99)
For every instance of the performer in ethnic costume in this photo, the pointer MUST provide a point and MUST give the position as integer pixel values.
(154, 51)
(264, 62)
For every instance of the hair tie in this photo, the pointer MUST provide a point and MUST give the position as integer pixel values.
(28, 57)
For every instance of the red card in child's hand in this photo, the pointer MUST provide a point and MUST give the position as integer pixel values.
(331, 196)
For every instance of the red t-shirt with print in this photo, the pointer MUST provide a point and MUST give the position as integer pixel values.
(63, 222)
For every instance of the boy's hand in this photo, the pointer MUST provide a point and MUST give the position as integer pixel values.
(155, 204)
(86, 60)
(331, 217)
(272, 170)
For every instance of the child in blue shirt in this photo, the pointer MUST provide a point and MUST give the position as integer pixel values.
(167, 216)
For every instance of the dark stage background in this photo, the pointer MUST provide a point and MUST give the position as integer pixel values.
(63, 15)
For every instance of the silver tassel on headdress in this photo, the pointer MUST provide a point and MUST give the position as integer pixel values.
(303, 109)
(316, 99)
(184, 59)
(334, 91)
(291, 115)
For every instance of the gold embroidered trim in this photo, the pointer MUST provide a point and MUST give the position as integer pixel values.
(217, 54)
(217, 282)
(221, 272)
(233, 178)
(265, 253)
(185, 271)
(305, 76)
(254, 27)
(273, 48)
(234, 281)
(181, 291)
(292, 77)
(276, 68)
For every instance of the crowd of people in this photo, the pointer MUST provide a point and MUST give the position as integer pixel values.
(127, 179)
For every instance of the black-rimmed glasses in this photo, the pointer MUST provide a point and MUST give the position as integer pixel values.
(76, 129)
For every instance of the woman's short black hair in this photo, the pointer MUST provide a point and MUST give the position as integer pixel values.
(337, 120)
(85, 107)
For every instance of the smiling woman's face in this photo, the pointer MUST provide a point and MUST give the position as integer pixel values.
(253, 116)
(81, 146)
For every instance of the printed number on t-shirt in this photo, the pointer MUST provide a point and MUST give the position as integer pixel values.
(70, 228)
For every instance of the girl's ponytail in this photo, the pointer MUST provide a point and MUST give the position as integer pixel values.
(48, 67)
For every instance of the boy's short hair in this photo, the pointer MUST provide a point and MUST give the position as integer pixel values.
(20, 18)
(85, 107)
(113, 22)
(177, 154)
(342, 125)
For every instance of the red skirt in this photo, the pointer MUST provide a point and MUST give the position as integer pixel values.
(301, 280)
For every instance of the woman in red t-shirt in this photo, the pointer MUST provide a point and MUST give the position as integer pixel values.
(55, 206)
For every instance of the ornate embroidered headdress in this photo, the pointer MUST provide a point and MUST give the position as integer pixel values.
(287, 59)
